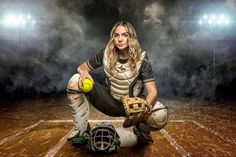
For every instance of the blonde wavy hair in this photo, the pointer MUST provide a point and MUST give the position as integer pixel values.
(134, 49)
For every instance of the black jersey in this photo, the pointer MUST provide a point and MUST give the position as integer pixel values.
(145, 74)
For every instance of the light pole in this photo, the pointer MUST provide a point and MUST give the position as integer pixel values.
(214, 22)
(19, 25)
(18, 21)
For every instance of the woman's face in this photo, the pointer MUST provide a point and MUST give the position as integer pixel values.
(121, 38)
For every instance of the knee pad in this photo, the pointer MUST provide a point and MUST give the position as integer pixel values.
(159, 116)
(73, 83)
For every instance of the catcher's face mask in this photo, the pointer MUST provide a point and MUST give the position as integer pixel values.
(104, 138)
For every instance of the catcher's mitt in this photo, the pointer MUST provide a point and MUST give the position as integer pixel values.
(136, 110)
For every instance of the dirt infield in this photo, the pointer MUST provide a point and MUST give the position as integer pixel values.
(40, 127)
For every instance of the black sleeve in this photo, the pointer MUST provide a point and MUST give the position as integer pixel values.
(146, 73)
(95, 61)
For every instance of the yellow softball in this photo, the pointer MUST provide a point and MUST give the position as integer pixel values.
(87, 85)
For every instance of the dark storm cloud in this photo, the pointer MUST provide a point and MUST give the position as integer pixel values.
(68, 32)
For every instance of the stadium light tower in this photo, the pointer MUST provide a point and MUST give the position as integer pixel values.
(17, 21)
(14, 20)
(214, 22)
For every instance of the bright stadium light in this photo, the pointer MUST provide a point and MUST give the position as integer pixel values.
(33, 22)
(205, 17)
(219, 22)
(214, 20)
(222, 16)
(209, 21)
(20, 17)
(17, 20)
(200, 22)
(226, 21)
(28, 17)
(10, 20)
(213, 17)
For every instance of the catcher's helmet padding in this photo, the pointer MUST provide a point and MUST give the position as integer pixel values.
(104, 138)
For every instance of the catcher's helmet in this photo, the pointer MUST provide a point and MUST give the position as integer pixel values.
(104, 138)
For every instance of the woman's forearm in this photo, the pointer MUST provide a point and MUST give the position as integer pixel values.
(83, 68)
(151, 98)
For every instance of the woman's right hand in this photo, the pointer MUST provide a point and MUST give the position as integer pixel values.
(83, 75)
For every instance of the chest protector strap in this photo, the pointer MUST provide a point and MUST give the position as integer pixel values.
(120, 82)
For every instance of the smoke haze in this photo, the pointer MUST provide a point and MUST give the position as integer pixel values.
(41, 59)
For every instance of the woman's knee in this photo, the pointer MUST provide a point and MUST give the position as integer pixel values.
(159, 116)
(73, 83)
